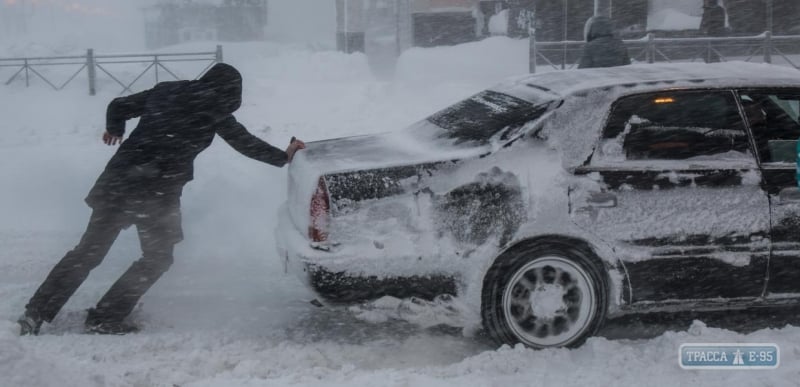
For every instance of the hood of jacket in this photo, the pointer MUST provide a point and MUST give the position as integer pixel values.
(596, 27)
(221, 87)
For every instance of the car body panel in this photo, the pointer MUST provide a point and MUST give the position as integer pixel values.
(690, 222)
(406, 210)
(779, 119)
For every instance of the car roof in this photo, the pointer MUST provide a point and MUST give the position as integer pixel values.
(560, 84)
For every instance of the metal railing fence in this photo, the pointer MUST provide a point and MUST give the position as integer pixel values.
(29, 68)
(650, 49)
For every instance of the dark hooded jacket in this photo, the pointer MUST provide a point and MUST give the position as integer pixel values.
(177, 121)
(602, 48)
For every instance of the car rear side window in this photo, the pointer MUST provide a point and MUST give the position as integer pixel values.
(675, 125)
(484, 115)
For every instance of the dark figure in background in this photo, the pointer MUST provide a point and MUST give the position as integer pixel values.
(712, 24)
(488, 8)
(713, 21)
(602, 48)
(142, 185)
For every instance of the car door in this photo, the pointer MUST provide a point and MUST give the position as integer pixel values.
(674, 188)
(774, 119)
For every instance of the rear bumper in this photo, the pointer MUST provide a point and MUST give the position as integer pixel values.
(339, 287)
(343, 288)
(343, 285)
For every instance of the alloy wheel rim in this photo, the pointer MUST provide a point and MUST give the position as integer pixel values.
(549, 302)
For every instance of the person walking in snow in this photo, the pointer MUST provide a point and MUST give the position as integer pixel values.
(712, 22)
(602, 48)
(142, 185)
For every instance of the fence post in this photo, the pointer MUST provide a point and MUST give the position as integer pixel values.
(532, 52)
(770, 15)
(91, 71)
(768, 47)
(27, 82)
(218, 54)
(651, 48)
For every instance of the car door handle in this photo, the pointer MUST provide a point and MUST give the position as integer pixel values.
(602, 199)
(789, 195)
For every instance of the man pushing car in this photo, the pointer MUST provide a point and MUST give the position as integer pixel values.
(142, 185)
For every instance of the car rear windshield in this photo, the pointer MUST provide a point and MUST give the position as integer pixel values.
(484, 115)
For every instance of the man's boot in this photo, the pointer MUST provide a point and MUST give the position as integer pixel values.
(29, 324)
(102, 326)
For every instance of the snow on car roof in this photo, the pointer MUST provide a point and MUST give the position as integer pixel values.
(558, 84)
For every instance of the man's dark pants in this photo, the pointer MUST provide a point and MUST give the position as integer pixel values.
(159, 228)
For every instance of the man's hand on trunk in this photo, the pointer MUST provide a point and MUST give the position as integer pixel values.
(294, 146)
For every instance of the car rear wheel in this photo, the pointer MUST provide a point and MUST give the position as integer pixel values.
(544, 295)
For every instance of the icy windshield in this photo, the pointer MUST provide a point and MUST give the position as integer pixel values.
(484, 115)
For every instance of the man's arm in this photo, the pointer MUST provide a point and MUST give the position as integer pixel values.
(251, 146)
(120, 110)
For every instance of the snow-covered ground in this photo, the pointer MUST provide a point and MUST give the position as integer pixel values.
(225, 314)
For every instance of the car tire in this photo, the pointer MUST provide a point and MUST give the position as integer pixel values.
(544, 295)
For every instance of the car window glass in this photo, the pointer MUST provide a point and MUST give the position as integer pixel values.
(775, 121)
(686, 125)
(485, 115)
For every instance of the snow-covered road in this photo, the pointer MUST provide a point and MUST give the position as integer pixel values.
(225, 314)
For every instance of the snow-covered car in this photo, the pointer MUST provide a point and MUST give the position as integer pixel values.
(552, 202)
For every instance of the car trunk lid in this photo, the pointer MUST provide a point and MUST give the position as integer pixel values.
(308, 192)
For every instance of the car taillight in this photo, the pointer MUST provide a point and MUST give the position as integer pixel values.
(320, 205)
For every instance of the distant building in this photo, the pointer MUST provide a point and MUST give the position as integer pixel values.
(426, 23)
(558, 20)
(443, 22)
(14, 18)
(351, 25)
(751, 16)
(173, 22)
(422, 23)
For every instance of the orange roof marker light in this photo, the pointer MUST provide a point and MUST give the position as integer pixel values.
(664, 100)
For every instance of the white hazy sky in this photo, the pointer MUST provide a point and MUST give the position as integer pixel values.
(64, 25)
